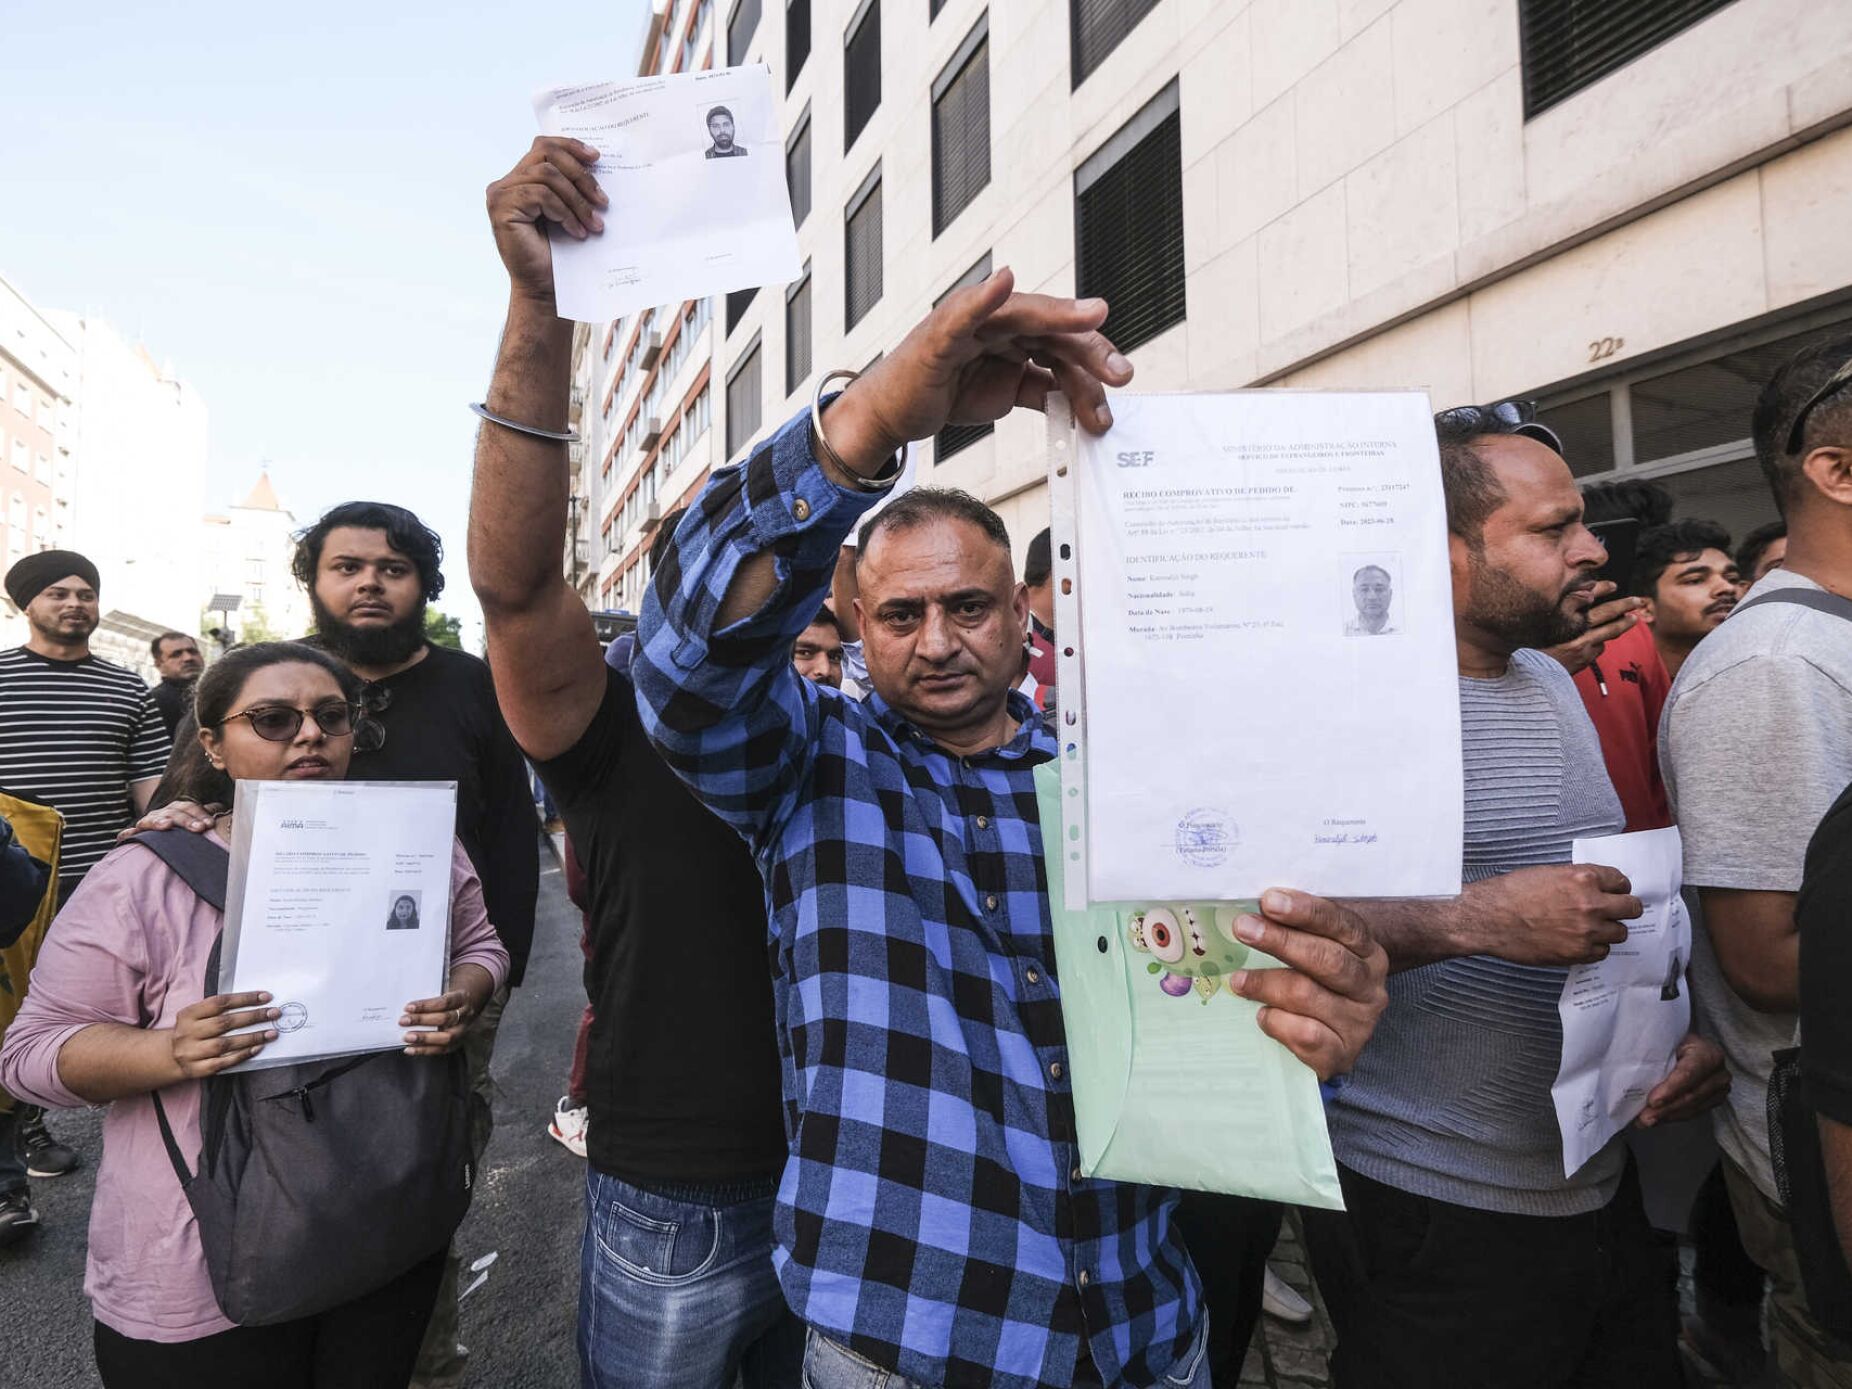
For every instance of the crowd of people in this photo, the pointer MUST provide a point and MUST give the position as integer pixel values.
(849, 1157)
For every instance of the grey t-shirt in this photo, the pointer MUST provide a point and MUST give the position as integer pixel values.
(1755, 744)
(1451, 1099)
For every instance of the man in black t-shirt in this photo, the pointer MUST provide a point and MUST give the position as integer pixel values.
(686, 1138)
(178, 662)
(1822, 911)
(370, 570)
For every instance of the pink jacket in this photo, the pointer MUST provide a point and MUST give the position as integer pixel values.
(130, 947)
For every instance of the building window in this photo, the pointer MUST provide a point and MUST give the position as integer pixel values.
(862, 248)
(797, 170)
(739, 31)
(797, 39)
(1128, 224)
(861, 71)
(737, 304)
(743, 401)
(22, 459)
(1682, 419)
(1096, 27)
(955, 437)
(1571, 44)
(797, 332)
(961, 128)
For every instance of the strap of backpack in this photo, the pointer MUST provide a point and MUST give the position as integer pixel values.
(195, 859)
(204, 867)
(1832, 604)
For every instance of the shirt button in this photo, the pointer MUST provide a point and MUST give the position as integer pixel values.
(983, 822)
(1054, 1069)
(1083, 1278)
(991, 901)
(1033, 975)
(1075, 1174)
(801, 509)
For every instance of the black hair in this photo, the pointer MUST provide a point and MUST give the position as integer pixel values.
(1660, 547)
(665, 537)
(717, 111)
(154, 646)
(1755, 544)
(1472, 489)
(1038, 561)
(1630, 499)
(925, 504)
(189, 776)
(404, 532)
(1781, 400)
(826, 618)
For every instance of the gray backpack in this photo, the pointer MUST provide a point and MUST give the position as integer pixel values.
(320, 1182)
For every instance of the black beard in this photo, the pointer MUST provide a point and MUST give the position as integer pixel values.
(1519, 616)
(369, 646)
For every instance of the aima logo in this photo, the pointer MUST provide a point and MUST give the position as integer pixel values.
(292, 824)
(1138, 458)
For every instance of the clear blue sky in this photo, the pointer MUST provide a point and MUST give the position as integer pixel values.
(286, 203)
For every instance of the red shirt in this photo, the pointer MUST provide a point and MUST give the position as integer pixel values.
(1627, 719)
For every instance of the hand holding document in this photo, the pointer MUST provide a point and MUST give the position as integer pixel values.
(338, 905)
(693, 164)
(1624, 1016)
(1263, 691)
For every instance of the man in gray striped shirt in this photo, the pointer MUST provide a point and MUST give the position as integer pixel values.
(81, 735)
(1468, 1257)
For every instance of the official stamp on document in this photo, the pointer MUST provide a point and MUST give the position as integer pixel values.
(1206, 836)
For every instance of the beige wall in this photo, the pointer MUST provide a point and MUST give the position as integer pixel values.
(1364, 202)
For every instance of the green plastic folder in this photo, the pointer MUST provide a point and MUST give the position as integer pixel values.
(1174, 1082)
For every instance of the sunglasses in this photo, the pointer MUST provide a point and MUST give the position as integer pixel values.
(370, 733)
(278, 724)
(1506, 416)
(1832, 386)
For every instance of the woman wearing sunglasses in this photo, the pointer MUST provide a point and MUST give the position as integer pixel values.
(115, 1012)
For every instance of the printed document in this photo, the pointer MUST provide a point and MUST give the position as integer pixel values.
(338, 905)
(1623, 1017)
(1270, 695)
(694, 166)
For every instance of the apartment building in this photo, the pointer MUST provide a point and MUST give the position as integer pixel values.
(38, 379)
(1627, 212)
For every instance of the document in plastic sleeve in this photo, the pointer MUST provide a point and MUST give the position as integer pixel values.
(1624, 1016)
(693, 164)
(1267, 689)
(338, 905)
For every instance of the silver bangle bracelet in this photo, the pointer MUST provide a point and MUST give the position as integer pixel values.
(888, 476)
(560, 436)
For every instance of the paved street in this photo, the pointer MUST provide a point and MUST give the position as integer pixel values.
(518, 1325)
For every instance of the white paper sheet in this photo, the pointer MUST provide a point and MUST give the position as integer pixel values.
(692, 214)
(316, 908)
(1623, 1017)
(1270, 691)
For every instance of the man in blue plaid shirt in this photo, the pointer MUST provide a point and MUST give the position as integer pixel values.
(932, 1224)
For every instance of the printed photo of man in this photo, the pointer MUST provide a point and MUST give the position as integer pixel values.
(720, 131)
(1372, 589)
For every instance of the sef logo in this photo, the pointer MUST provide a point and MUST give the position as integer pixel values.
(1138, 459)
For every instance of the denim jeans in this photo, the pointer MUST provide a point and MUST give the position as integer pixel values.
(828, 1365)
(680, 1294)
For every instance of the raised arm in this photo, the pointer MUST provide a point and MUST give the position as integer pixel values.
(549, 672)
(753, 559)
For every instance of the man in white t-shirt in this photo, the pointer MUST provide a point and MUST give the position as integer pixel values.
(1756, 744)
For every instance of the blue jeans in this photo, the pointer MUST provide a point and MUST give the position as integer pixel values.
(680, 1294)
(828, 1365)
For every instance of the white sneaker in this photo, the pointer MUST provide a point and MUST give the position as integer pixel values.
(1278, 1299)
(568, 1126)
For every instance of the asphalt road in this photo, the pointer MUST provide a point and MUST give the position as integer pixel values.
(518, 1325)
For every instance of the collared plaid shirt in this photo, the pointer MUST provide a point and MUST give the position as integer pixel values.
(931, 1216)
